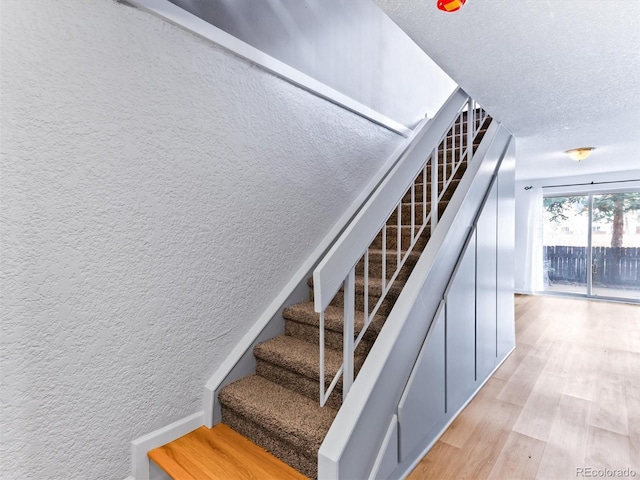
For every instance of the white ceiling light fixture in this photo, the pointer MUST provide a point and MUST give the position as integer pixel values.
(579, 154)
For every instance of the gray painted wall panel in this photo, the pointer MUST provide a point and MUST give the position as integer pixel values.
(486, 238)
(421, 412)
(460, 329)
(353, 442)
(387, 460)
(506, 338)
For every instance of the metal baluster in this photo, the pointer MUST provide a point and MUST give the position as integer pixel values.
(366, 286)
(322, 399)
(413, 208)
(460, 142)
(424, 191)
(384, 256)
(470, 132)
(453, 151)
(399, 235)
(349, 316)
(434, 190)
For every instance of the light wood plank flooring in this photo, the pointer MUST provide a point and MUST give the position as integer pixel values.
(567, 398)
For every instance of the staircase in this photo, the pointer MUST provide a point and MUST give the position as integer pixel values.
(278, 407)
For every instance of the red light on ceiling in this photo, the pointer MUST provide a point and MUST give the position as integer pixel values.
(450, 5)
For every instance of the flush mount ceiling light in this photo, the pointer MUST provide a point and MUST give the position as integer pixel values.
(579, 154)
(450, 5)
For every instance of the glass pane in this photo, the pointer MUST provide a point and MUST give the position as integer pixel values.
(616, 245)
(565, 237)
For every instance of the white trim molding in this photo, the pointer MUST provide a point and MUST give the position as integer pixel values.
(180, 17)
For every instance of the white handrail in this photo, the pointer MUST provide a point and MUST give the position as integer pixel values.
(332, 270)
(338, 268)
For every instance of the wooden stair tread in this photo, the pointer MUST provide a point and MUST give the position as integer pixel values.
(219, 453)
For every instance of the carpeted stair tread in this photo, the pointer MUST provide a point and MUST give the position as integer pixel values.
(391, 261)
(333, 318)
(300, 357)
(292, 417)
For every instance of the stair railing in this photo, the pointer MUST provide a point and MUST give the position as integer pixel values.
(444, 145)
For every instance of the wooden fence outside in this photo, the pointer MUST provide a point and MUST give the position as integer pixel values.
(611, 266)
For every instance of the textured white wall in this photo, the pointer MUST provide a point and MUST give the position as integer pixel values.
(352, 46)
(156, 194)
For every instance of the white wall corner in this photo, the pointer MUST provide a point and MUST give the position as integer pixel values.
(208, 405)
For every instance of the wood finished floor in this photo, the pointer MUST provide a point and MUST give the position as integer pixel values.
(567, 398)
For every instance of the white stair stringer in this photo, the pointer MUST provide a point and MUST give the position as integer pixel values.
(353, 445)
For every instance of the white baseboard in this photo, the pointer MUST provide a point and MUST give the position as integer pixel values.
(141, 446)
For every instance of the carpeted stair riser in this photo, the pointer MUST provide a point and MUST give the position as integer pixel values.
(274, 363)
(306, 464)
(374, 296)
(333, 319)
(375, 264)
(446, 156)
(405, 234)
(405, 218)
(453, 182)
(287, 424)
(450, 153)
(332, 340)
(301, 321)
(444, 171)
(293, 363)
(446, 197)
(298, 383)
(385, 307)
(458, 127)
(419, 196)
(454, 142)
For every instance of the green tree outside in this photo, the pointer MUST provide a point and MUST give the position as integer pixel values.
(609, 208)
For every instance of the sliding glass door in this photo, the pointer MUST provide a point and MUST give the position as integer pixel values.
(616, 245)
(565, 244)
(592, 244)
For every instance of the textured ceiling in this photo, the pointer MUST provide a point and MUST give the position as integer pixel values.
(558, 74)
